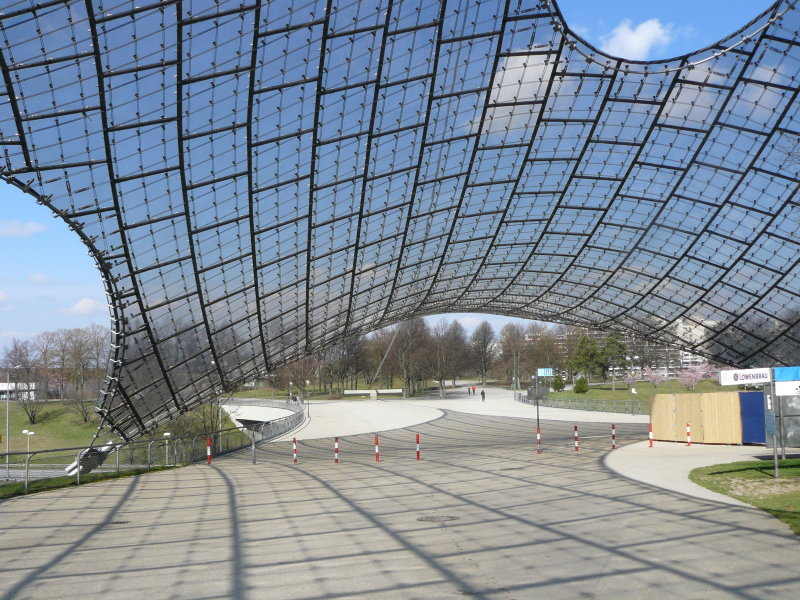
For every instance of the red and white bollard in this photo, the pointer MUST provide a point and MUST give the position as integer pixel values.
(294, 450)
(613, 437)
(377, 450)
(577, 444)
(650, 434)
(336, 450)
(688, 435)
(208, 450)
(418, 456)
(538, 441)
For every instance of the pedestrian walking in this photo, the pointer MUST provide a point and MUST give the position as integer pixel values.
(473, 390)
(483, 396)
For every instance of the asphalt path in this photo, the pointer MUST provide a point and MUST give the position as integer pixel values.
(481, 515)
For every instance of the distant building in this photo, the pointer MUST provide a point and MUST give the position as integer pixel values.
(642, 352)
(18, 390)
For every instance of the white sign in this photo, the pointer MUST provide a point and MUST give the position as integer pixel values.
(544, 372)
(742, 376)
(787, 388)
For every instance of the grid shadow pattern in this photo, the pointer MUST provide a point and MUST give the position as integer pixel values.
(257, 180)
(481, 515)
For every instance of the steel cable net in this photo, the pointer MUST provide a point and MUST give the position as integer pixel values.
(258, 180)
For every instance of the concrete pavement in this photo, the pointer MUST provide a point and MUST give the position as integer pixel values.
(666, 465)
(500, 402)
(481, 515)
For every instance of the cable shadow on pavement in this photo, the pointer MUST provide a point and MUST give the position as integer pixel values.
(649, 518)
(38, 572)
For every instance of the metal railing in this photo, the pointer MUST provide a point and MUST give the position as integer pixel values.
(631, 406)
(143, 455)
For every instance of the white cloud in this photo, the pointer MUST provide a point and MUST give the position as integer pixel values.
(581, 31)
(635, 43)
(39, 278)
(5, 303)
(84, 306)
(19, 229)
(470, 323)
(16, 334)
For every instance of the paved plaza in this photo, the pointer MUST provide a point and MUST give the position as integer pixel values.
(481, 515)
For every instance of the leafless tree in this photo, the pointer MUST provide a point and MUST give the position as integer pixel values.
(376, 348)
(482, 342)
(43, 346)
(543, 349)
(345, 360)
(61, 340)
(411, 351)
(458, 350)
(512, 343)
(84, 409)
(300, 371)
(441, 366)
(274, 378)
(20, 362)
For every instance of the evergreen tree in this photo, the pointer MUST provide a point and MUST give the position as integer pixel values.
(587, 358)
(614, 356)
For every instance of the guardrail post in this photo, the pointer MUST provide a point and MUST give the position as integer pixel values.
(253, 444)
(27, 468)
(148, 453)
(116, 454)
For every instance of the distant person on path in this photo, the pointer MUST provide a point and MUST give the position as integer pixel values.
(483, 396)
(473, 390)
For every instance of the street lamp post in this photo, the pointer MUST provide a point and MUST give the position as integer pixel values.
(308, 402)
(28, 433)
(290, 390)
(8, 412)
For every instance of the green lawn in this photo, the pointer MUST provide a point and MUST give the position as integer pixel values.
(602, 397)
(753, 482)
(644, 389)
(58, 426)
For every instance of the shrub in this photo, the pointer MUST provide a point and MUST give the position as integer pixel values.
(581, 387)
(558, 383)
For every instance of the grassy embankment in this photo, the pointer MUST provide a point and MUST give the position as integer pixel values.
(602, 397)
(752, 482)
(58, 426)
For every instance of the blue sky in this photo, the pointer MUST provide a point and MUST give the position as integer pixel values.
(48, 281)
